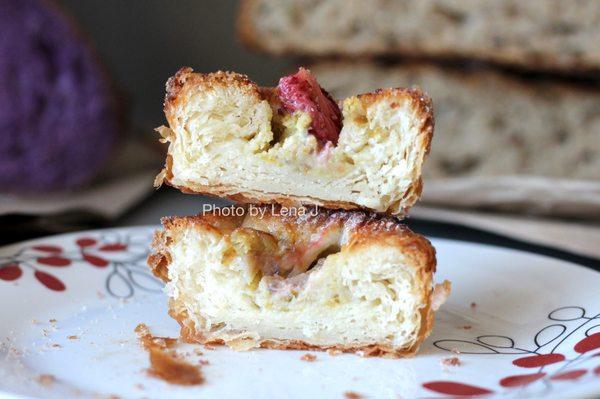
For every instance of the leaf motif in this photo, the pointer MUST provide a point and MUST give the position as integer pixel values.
(49, 281)
(10, 272)
(56, 261)
(118, 286)
(588, 343)
(48, 248)
(549, 334)
(456, 388)
(85, 242)
(144, 280)
(597, 371)
(520, 380)
(567, 313)
(539, 360)
(569, 375)
(496, 341)
(95, 260)
(113, 247)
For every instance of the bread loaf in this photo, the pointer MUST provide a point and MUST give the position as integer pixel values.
(538, 34)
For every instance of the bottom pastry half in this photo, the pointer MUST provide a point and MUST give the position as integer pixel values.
(348, 281)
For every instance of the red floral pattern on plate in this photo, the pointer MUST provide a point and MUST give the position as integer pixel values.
(123, 258)
(550, 339)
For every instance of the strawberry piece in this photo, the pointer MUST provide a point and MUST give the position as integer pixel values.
(302, 92)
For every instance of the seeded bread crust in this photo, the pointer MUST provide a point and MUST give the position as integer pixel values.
(367, 229)
(538, 34)
(185, 83)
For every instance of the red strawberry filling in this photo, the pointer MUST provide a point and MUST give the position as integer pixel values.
(302, 92)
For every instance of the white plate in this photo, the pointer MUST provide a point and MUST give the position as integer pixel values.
(97, 288)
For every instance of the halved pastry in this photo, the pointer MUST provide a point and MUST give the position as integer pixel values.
(292, 144)
(342, 280)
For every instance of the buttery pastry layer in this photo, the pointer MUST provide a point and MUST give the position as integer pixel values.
(228, 137)
(307, 280)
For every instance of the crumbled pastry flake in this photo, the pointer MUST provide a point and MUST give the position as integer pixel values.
(353, 395)
(46, 379)
(451, 361)
(166, 363)
(308, 357)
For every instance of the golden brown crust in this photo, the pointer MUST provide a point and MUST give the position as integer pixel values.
(190, 335)
(159, 260)
(367, 229)
(186, 81)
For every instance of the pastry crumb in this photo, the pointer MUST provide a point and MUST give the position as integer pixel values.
(465, 327)
(46, 379)
(352, 395)
(166, 363)
(451, 361)
(203, 362)
(72, 337)
(334, 352)
(473, 305)
(56, 346)
(308, 357)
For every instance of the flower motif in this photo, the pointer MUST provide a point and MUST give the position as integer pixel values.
(124, 257)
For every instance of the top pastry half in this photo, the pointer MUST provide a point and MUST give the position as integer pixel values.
(293, 144)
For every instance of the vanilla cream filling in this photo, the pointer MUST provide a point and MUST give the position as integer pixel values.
(359, 297)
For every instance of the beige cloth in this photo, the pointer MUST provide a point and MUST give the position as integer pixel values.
(576, 237)
(551, 197)
(126, 181)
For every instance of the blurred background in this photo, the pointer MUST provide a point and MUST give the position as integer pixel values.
(144, 42)
(515, 85)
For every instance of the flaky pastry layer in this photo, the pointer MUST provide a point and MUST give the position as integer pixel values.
(229, 138)
(343, 280)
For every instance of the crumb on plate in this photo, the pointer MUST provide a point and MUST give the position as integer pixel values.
(352, 395)
(46, 379)
(308, 357)
(451, 361)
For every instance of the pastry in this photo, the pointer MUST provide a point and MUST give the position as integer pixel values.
(298, 278)
(293, 145)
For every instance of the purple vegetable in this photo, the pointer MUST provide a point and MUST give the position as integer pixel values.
(58, 121)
